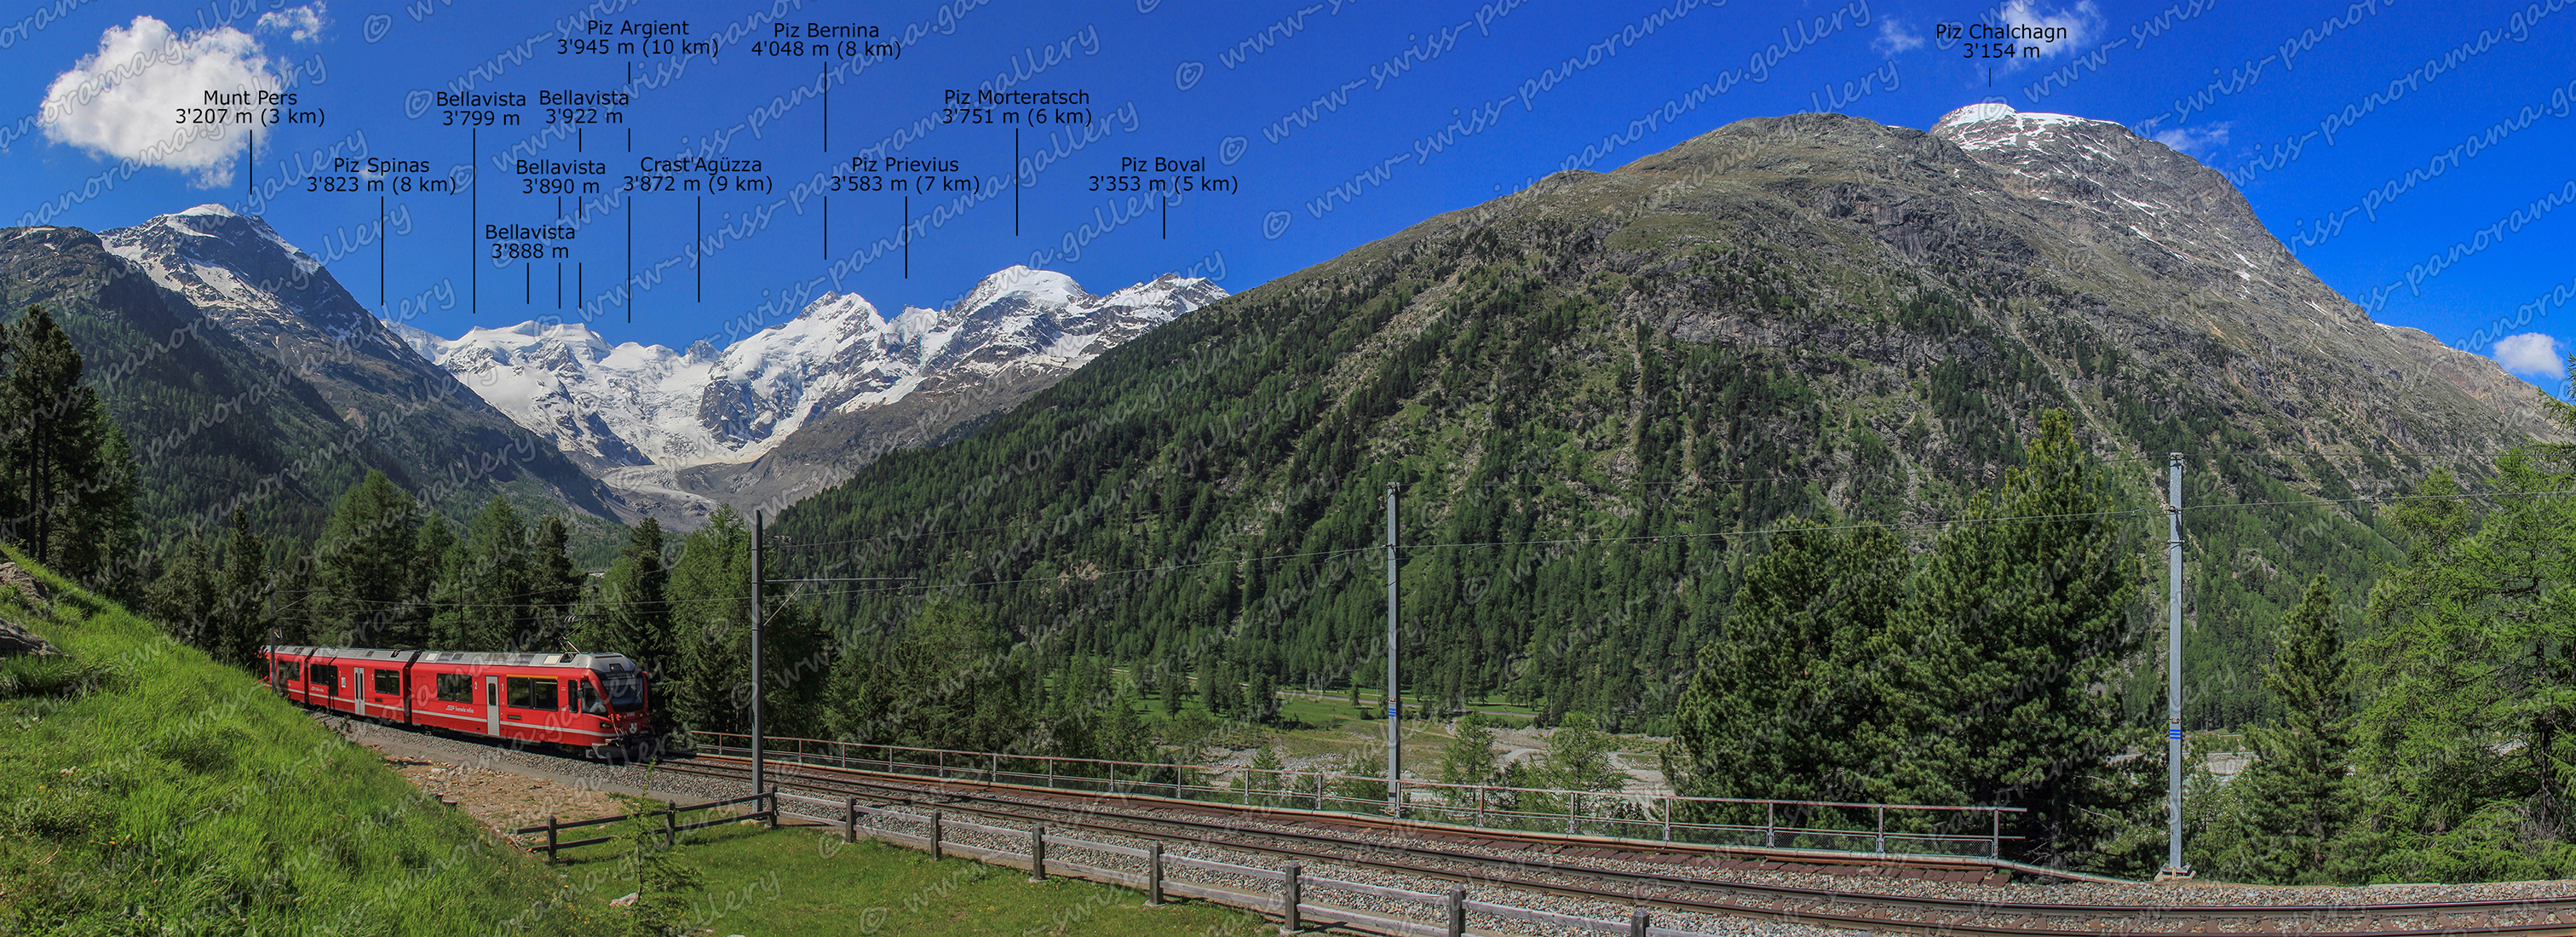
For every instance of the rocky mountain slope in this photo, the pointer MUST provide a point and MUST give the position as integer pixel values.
(1588, 389)
(237, 273)
(797, 406)
(214, 422)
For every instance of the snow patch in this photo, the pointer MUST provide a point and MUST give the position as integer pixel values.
(1991, 126)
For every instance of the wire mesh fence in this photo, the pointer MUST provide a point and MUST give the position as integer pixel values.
(1918, 829)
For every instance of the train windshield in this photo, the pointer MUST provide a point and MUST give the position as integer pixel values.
(624, 689)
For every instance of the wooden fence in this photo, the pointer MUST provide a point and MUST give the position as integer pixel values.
(671, 828)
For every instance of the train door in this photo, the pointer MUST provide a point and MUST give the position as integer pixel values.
(358, 691)
(492, 705)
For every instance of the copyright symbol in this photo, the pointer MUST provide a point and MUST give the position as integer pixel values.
(376, 26)
(416, 103)
(1230, 149)
(1274, 224)
(1186, 75)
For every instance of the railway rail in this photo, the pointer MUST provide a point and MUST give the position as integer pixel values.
(1585, 867)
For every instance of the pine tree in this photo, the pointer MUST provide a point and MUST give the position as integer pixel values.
(1469, 758)
(72, 476)
(1578, 756)
(1260, 699)
(96, 539)
(429, 587)
(2012, 624)
(630, 615)
(709, 594)
(1222, 694)
(296, 593)
(2463, 751)
(1776, 705)
(1170, 682)
(364, 561)
(185, 596)
(554, 586)
(493, 582)
(13, 491)
(43, 394)
(243, 597)
(2297, 793)
(1122, 733)
(950, 680)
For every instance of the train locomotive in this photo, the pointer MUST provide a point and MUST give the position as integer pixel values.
(600, 703)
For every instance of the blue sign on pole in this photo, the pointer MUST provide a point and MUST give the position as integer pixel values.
(2176, 733)
(1390, 711)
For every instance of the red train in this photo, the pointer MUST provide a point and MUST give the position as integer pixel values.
(597, 702)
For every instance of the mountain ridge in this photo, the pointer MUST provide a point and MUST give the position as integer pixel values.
(239, 274)
(691, 427)
(1609, 383)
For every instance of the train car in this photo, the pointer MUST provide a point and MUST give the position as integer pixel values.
(596, 702)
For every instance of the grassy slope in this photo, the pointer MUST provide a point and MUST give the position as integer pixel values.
(146, 789)
(802, 880)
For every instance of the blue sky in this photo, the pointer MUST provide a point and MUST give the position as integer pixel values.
(2318, 112)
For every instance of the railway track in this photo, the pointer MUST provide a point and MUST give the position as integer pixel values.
(1479, 858)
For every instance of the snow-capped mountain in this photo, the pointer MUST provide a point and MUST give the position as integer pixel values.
(2146, 220)
(2116, 180)
(238, 273)
(637, 414)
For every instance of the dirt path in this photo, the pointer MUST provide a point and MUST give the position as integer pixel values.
(497, 791)
(503, 800)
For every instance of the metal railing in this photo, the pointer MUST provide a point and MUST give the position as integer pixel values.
(1918, 829)
(1291, 892)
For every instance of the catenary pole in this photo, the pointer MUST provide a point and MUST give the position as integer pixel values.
(1394, 697)
(757, 778)
(2173, 665)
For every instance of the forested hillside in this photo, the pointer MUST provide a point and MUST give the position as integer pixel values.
(1588, 393)
(214, 423)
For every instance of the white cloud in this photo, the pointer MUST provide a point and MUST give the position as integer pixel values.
(2197, 143)
(2532, 355)
(2081, 23)
(1892, 38)
(303, 24)
(125, 100)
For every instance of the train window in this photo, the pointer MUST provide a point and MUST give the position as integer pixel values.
(389, 682)
(455, 688)
(625, 689)
(532, 692)
(586, 696)
(292, 669)
(326, 676)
